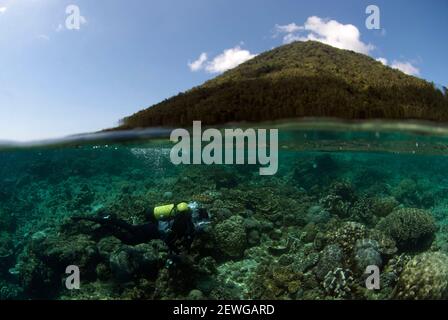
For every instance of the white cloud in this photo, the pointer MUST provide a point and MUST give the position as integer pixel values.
(291, 37)
(288, 28)
(3, 10)
(382, 60)
(227, 60)
(406, 67)
(336, 34)
(331, 32)
(199, 63)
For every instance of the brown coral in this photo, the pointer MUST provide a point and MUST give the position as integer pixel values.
(412, 229)
(424, 277)
(347, 235)
(230, 236)
(273, 281)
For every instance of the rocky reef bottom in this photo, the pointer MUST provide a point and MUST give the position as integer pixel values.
(308, 232)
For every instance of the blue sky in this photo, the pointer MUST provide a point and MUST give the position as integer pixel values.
(128, 55)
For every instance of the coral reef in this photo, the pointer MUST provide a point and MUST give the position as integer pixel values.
(230, 236)
(307, 233)
(10, 291)
(413, 194)
(412, 229)
(367, 253)
(317, 214)
(369, 210)
(424, 277)
(144, 259)
(393, 270)
(237, 274)
(338, 283)
(275, 281)
(339, 199)
(347, 235)
(331, 257)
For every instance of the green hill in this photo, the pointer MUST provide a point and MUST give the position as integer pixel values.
(302, 79)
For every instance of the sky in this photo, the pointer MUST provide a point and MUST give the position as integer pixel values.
(65, 72)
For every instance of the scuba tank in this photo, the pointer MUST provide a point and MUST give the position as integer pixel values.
(166, 214)
(169, 211)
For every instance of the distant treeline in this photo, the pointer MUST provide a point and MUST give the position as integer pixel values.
(262, 99)
(302, 79)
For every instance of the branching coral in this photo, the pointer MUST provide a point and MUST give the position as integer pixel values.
(338, 283)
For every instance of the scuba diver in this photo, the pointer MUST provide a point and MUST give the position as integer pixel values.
(175, 224)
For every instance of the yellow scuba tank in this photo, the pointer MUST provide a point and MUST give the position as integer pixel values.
(170, 210)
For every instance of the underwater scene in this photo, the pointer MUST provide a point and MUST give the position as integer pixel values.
(345, 198)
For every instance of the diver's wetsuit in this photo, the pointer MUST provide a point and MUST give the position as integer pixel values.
(126, 232)
(181, 228)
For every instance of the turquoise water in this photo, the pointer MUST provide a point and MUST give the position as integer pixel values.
(346, 196)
